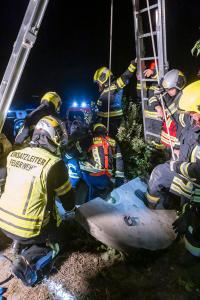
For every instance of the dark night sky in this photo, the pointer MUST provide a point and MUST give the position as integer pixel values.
(74, 41)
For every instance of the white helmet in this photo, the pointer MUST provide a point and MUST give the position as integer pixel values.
(48, 134)
(173, 79)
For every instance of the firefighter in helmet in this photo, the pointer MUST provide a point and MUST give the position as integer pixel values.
(50, 105)
(28, 214)
(182, 176)
(104, 161)
(102, 77)
(171, 86)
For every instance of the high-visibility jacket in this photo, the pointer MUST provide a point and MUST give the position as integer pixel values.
(175, 121)
(116, 92)
(188, 165)
(24, 205)
(186, 182)
(104, 157)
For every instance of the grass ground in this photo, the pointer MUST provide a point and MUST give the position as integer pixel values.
(91, 271)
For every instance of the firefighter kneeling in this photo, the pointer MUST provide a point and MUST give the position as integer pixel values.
(182, 177)
(104, 161)
(28, 214)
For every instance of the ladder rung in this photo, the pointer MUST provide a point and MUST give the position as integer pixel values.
(146, 9)
(149, 58)
(159, 120)
(153, 134)
(149, 79)
(147, 34)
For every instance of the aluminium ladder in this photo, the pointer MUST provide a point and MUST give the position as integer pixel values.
(25, 40)
(150, 46)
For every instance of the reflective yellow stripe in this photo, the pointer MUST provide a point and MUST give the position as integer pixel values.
(119, 174)
(151, 114)
(30, 211)
(181, 188)
(120, 82)
(112, 88)
(131, 68)
(165, 139)
(169, 122)
(193, 155)
(152, 199)
(186, 186)
(193, 250)
(22, 226)
(171, 109)
(181, 120)
(153, 99)
(157, 146)
(184, 169)
(165, 135)
(117, 155)
(63, 189)
(111, 114)
(174, 187)
(153, 88)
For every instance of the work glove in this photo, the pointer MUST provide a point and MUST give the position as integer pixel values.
(181, 224)
(119, 181)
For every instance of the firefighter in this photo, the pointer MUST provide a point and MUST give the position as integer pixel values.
(50, 105)
(28, 214)
(103, 163)
(171, 85)
(101, 77)
(182, 176)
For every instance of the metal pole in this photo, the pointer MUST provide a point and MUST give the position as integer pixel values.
(21, 49)
(110, 63)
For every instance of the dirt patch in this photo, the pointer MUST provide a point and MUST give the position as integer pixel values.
(90, 271)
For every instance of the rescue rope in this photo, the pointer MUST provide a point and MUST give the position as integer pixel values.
(158, 79)
(11, 275)
(110, 63)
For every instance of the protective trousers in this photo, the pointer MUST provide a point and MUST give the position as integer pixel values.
(99, 186)
(160, 181)
(37, 254)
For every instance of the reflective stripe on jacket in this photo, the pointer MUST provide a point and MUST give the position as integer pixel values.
(24, 207)
(104, 157)
(188, 166)
(116, 92)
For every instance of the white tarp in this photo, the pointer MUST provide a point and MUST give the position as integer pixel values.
(149, 229)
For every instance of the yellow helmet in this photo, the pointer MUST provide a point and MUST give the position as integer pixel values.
(190, 99)
(99, 129)
(54, 98)
(102, 74)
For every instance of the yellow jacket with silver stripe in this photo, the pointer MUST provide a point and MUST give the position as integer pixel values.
(116, 92)
(24, 207)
